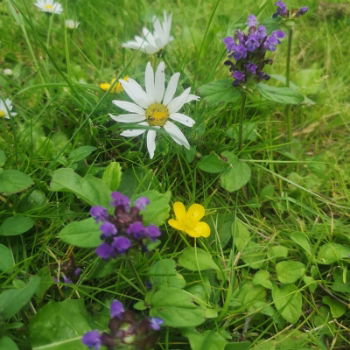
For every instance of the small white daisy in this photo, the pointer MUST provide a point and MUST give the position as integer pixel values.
(7, 71)
(6, 109)
(150, 43)
(71, 24)
(49, 6)
(155, 107)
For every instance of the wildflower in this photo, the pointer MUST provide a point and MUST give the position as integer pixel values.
(117, 88)
(6, 109)
(117, 309)
(151, 43)
(249, 50)
(92, 340)
(155, 323)
(155, 107)
(189, 221)
(71, 24)
(7, 71)
(282, 11)
(49, 6)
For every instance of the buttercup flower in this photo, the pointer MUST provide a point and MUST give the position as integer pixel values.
(49, 6)
(155, 107)
(71, 24)
(189, 221)
(6, 109)
(151, 43)
(117, 88)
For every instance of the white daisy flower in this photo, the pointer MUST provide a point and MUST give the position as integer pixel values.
(155, 107)
(151, 43)
(71, 24)
(6, 108)
(7, 71)
(49, 6)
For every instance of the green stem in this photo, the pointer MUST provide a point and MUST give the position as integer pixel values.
(49, 31)
(137, 276)
(289, 53)
(241, 119)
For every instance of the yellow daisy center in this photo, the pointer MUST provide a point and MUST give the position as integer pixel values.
(2, 114)
(48, 7)
(157, 114)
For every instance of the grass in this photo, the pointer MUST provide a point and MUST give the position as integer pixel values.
(300, 186)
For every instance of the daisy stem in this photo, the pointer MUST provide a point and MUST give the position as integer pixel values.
(241, 119)
(289, 53)
(49, 31)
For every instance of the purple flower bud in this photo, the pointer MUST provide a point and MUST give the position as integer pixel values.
(152, 231)
(229, 43)
(251, 67)
(252, 22)
(302, 11)
(117, 309)
(121, 244)
(77, 271)
(252, 42)
(155, 323)
(281, 9)
(141, 202)
(136, 229)
(92, 339)
(261, 32)
(99, 213)
(119, 199)
(108, 229)
(239, 52)
(239, 76)
(105, 251)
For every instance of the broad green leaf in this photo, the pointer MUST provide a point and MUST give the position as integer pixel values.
(262, 278)
(223, 225)
(13, 181)
(238, 346)
(248, 296)
(219, 91)
(241, 236)
(16, 225)
(176, 307)
(253, 255)
(7, 343)
(197, 259)
(12, 300)
(163, 274)
(6, 259)
(284, 95)
(80, 153)
(337, 309)
(289, 271)
(235, 177)
(229, 157)
(2, 158)
(60, 326)
(330, 253)
(206, 340)
(301, 239)
(212, 164)
(112, 176)
(288, 302)
(278, 251)
(83, 234)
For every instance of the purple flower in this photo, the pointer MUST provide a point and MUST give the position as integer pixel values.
(252, 42)
(67, 280)
(141, 202)
(92, 339)
(252, 22)
(155, 323)
(136, 229)
(302, 11)
(261, 32)
(281, 9)
(117, 309)
(152, 231)
(273, 40)
(105, 251)
(251, 67)
(229, 43)
(77, 271)
(108, 229)
(99, 213)
(119, 199)
(121, 244)
(238, 75)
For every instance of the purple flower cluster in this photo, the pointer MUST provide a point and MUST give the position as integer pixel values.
(282, 11)
(249, 50)
(124, 228)
(125, 328)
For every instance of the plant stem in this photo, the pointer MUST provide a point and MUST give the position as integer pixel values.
(137, 276)
(241, 118)
(289, 52)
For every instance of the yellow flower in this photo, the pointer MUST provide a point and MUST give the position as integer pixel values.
(117, 87)
(189, 221)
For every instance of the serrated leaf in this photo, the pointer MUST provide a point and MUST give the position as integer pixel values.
(219, 91)
(16, 225)
(284, 95)
(13, 181)
(197, 259)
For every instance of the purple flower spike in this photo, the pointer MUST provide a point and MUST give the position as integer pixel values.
(117, 309)
(92, 339)
(155, 323)
(105, 251)
(251, 67)
(121, 244)
(99, 213)
(136, 229)
(229, 43)
(252, 22)
(108, 229)
(141, 202)
(302, 11)
(119, 199)
(152, 232)
(238, 75)
(252, 42)
(281, 9)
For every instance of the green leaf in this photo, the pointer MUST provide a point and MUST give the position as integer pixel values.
(212, 164)
(235, 177)
(60, 326)
(16, 225)
(278, 251)
(285, 95)
(157, 211)
(13, 181)
(12, 300)
(6, 260)
(7, 343)
(262, 278)
(301, 239)
(163, 274)
(289, 271)
(238, 346)
(83, 234)
(337, 308)
(241, 236)
(197, 259)
(288, 302)
(206, 340)
(330, 253)
(80, 153)
(223, 224)
(248, 296)
(112, 175)
(176, 307)
(2, 158)
(89, 188)
(219, 91)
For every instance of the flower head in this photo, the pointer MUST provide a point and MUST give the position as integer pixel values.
(99, 213)
(155, 107)
(282, 11)
(92, 340)
(6, 109)
(117, 86)
(189, 221)
(151, 43)
(49, 6)
(71, 24)
(117, 309)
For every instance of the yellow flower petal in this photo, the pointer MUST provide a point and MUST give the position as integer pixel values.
(195, 212)
(201, 229)
(105, 86)
(180, 211)
(175, 224)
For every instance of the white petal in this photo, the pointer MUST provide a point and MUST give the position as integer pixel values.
(134, 132)
(159, 82)
(149, 36)
(128, 118)
(135, 92)
(192, 98)
(171, 88)
(151, 142)
(149, 82)
(177, 103)
(129, 107)
(176, 134)
(183, 119)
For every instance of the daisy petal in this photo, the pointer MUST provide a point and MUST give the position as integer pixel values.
(183, 119)
(196, 212)
(129, 107)
(132, 132)
(176, 134)
(151, 142)
(176, 104)
(135, 92)
(192, 98)
(171, 88)
(149, 82)
(128, 118)
(179, 210)
(159, 83)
